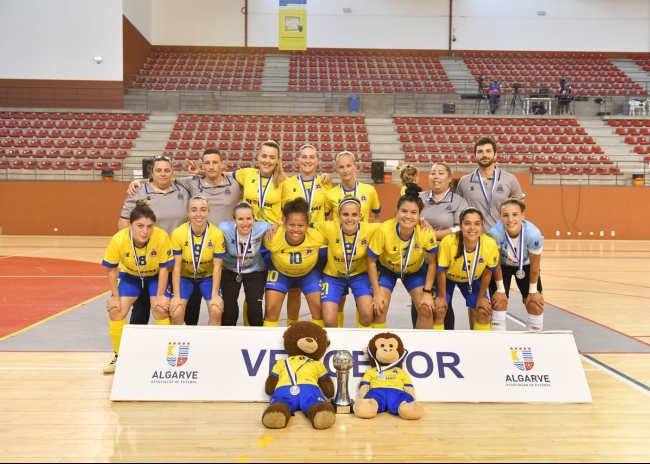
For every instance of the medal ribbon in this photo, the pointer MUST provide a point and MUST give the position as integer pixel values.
(263, 191)
(518, 254)
(240, 265)
(471, 272)
(197, 262)
(292, 376)
(494, 182)
(354, 190)
(404, 260)
(431, 199)
(390, 366)
(308, 196)
(348, 262)
(135, 256)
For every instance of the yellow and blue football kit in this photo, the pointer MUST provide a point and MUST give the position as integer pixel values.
(388, 392)
(199, 249)
(314, 190)
(250, 179)
(365, 193)
(335, 283)
(392, 252)
(456, 268)
(293, 266)
(139, 266)
(307, 373)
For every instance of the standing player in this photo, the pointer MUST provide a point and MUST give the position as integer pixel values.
(199, 249)
(244, 264)
(488, 186)
(400, 245)
(294, 254)
(348, 239)
(466, 260)
(441, 210)
(370, 208)
(313, 188)
(143, 254)
(520, 244)
(168, 201)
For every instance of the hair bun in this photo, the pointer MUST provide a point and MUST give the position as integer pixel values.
(412, 189)
(143, 202)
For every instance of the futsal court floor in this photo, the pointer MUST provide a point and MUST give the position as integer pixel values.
(54, 404)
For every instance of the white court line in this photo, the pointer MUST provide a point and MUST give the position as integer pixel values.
(22, 254)
(50, 368)
(51, 277)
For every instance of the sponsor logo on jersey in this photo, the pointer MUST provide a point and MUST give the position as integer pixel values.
(319, 187)
(227, 192)
(500, 188)
(210, 244)
(416, 247)
(481, 260)
(364, 241)
(364, 198)
(153, 253)
(309, 251)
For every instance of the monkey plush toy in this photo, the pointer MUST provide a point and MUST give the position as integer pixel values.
(386, 386)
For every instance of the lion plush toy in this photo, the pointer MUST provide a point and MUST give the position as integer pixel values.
(386, 386)
(302, 381)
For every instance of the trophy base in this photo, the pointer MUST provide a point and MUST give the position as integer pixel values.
(343, 409)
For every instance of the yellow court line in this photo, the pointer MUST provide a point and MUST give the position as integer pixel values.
(243, 459)
(53, 316)
(264, 441)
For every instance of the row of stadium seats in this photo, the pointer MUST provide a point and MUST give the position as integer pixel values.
(508, 149)
(575, 170)
(65, 154)
(66, 143)
(73, 125)
(579, 57)
(512, 159)
(19, 115)
(629, 122)
(67, 134)
(228, 127)
(503, 139)
(416, 132)
(251, 156)
(514, 121)
(250, 146)
(263, 136)
(60, 165)
(206, 118)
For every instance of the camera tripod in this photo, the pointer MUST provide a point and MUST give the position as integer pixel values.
(516, 103)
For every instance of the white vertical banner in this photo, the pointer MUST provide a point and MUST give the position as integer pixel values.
(186, 363)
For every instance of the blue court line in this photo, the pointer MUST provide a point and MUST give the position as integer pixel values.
(619, 373)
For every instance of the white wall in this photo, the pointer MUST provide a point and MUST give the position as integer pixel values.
(417, 24)
(198, 23)
(569, 25)
(139, 13)
(46, 39)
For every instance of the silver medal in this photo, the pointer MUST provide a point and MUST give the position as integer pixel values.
(381, 376)
(238, 278)
(294, 390)
(520, 274)
(347, 275)
(469, 289)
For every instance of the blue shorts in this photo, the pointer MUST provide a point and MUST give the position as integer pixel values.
(309, 395)
(470, 298)
(309, 283)
(388, 399)
(188, 285)
(131, 286)
(388, 278)
(333, 288)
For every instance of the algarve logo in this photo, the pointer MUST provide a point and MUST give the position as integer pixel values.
(522, 358)
(182, 353)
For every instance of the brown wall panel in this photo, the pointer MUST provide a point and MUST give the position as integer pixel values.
(135, 50)
(43, 93)
(93, 208)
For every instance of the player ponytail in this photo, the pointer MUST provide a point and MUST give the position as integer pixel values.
(408, 173)
(141, 210)
(513, 201)
(412, 195)
(459, 234)
(297, 206)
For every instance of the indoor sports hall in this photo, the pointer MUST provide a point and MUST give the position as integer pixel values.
(95, 94)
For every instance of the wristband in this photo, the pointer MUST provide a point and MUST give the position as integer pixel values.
(427, 291)
(532, 288)
(454, 229)
(500, 287)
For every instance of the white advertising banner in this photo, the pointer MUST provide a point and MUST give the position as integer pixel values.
(188, 363)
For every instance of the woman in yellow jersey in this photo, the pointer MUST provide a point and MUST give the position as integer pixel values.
(294, 254)
(137, 257)
(313, 188)
(348, 239)
(199, 248)
(263, 187)
(400, 246)
(466, 260)
(407, 174)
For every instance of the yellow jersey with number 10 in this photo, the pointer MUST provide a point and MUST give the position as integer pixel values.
(390, 249)
(150, 258)
(294, 260)
(292, 188)
(331, 230)
(214, 247)
(455, 267)
(365, 193)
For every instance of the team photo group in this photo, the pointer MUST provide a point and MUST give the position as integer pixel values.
(204, 236)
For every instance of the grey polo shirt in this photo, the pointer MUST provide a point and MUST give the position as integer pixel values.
(222, 197)
(506, 186)
(170, 208)
(444, 214)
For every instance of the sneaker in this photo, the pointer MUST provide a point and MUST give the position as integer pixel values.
(110, 368)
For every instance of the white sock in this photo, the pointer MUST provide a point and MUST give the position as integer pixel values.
(498, 320)
(534, 323)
